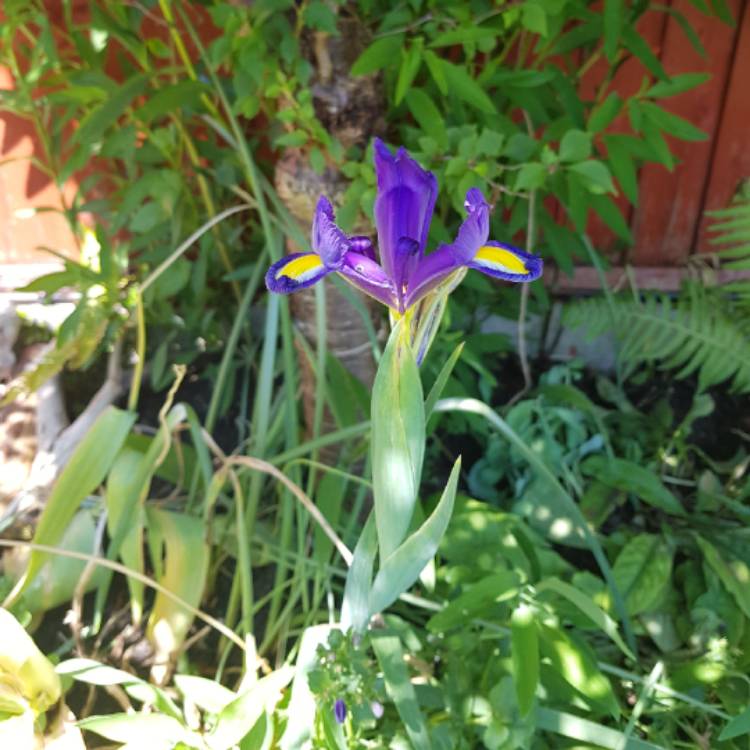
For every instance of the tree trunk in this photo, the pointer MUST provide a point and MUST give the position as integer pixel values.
(351, 110)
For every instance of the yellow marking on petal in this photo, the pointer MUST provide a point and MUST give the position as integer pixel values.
(499, 256)
(299, 267)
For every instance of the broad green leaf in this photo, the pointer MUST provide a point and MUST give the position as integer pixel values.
(435, 66)
(427, 115)
(610, 214)
(402, 568)
(302, 703)
(171, 99)
(614, 19)
(147, 730)
(575, 145)
(571, 508)
(184, 574)
(462, 85)
(132, 490)
(677, 84)
(398, 435)
(94, 673)
(531, 176)
(603, 115)
(672, 124)
(475, 601)
(576, 664)
(623, 167)
(410, 64)
(525, 651)
(237, 718)
(390, 656)
(642, 571)
(687, 27)
(380, 54)
(125, 485)
(51, 282)
(589, 608)
(636, 44)
(583, 730)
(534, 17)
(319, 15)
(595, 175)
(736, 727)
(83, 473)
(631, 477)
(208, 695)
(294, 139)
(724, 11)
(96, 122)
(59, 577)
(734, 574)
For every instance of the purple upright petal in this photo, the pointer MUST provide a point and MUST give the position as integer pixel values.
(506, 262)
(404, 205)
(295, 271)
(364, 273)
(327, 239)
(339, 711)
(362, 245)
(431, 271)
(475, 230)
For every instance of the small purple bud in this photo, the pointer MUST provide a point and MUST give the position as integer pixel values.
(377, 709)
(339, 711)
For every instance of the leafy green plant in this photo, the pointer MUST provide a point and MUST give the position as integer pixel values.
(693, 334)
(731, 235)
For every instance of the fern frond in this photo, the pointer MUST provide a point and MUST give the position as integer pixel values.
(732, 233)
(690, 335)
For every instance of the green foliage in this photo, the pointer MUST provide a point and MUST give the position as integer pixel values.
(605, 539)
(731, 235)
(693, 334)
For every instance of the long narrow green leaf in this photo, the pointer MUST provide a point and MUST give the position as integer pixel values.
(474, 406)
(302, 703)
(185, 572)
(238, 717)
(390, 656)
(738, 726)
(525, 652)
(398, 437)
(589, 608)
(355, 610)
(84, 472)
(583, 730)
(440, 382)
(402, 568)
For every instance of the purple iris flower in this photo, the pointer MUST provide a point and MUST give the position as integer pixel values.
(403, 210)
(339, 711)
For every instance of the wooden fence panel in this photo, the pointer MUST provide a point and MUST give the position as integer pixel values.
(730, 162)
(670, 206)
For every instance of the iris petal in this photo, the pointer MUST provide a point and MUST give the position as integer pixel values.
(506, 262)
(475, 230)
(295, 271)
(364, 273)
(404, 205)
(327, 239)
(431, 271)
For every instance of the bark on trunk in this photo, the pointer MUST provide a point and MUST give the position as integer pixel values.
(351, 110)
